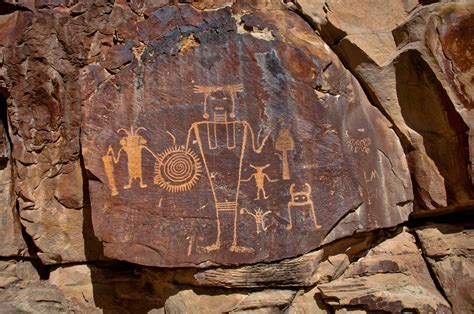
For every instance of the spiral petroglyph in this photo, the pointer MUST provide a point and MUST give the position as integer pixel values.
(177, 169)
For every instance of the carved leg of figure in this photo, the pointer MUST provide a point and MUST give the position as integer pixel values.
(290, 222)
(264, 194)
(258, 195)
(217, 244)
(129, 185)
(234, 247)
(142, 185)
(313, 215)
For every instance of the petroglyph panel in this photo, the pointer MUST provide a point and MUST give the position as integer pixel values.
(226, 153)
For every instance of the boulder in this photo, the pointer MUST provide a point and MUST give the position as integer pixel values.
(268, 301)
(319, 266)
(392, 277)
(37, 297)
(450, 252)
(15, 271)
(114, 288)
(232, 137)
(404, 55)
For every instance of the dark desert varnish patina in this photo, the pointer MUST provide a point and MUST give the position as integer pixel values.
(223, 153)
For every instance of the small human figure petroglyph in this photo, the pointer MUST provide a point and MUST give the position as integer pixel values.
(260, 177)
(259, 217)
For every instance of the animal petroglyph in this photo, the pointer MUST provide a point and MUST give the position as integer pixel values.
(260, 177)
(301, 199)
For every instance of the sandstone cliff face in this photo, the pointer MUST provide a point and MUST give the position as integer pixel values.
(269, 156)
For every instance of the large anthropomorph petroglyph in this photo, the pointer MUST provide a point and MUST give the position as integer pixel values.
(231, 137)
(238, 150)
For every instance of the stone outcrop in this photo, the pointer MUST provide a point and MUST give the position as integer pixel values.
(406, 62)
(392, 277)
(450, 252)
(218, 164)
(209, 156)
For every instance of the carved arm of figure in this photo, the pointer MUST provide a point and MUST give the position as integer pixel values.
(242, 210)
(192, 129)
(263, 221)
(258, 149)
(110, 152)
(268, 178)
(249, 178)
(152, 153)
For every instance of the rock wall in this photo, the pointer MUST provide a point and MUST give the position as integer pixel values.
(236, 156)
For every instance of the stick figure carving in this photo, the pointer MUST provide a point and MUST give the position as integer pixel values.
(260, 177)
(259, 217)
(224, 140)
(132, 144)
(300, 199)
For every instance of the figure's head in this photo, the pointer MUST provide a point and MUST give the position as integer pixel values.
(132, 138)
(301, 196)
(219, 99)
(218, 102)
(260, 169)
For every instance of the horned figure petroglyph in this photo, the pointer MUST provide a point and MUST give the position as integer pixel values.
(132, 144)
(300, 199)
(260, 177)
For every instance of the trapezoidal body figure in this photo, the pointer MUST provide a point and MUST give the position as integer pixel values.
(132, 144)
(223, 140)
(301, 200)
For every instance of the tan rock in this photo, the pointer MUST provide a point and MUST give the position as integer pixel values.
(13, 271)
(308, 302)
(450, 252)
(391, 277)
(75, 282)
(11, 239)
(38, 297)
(298, 271)
(268, 301)
(315, 267)
(115, 288)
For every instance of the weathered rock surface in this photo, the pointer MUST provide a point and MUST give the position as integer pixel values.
(312, 268)
(115, 289)
(21, 291)
(450, 252)
(12, 271)
(38, 297)
(268, 146)
(40, 60)
(413, 65)
(391, 277)
(269, 301)
(11, 239)
(306, 302)
(203, 147)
